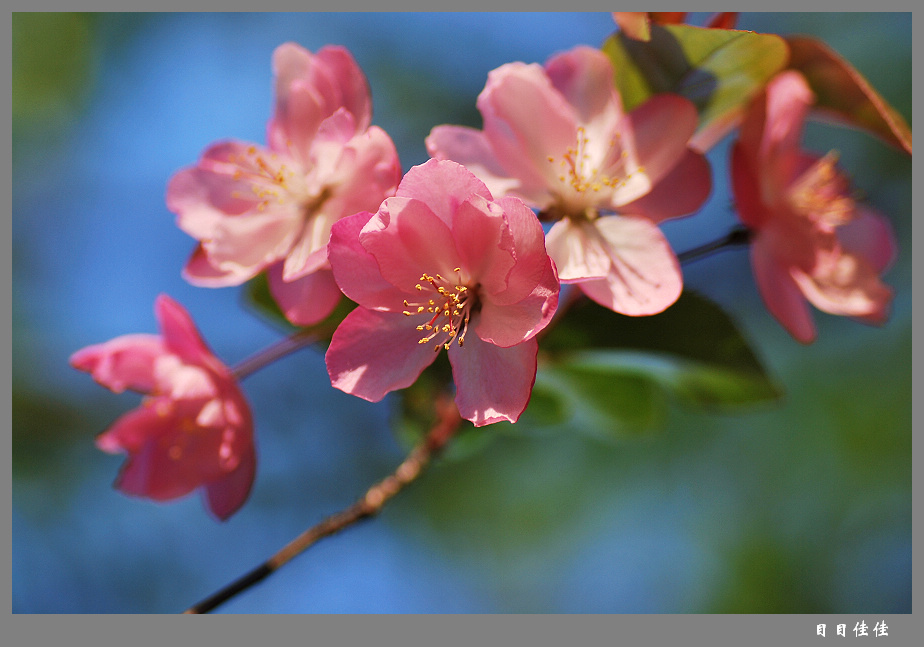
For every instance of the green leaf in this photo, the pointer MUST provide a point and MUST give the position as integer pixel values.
(622, 369)
(844, 95)
(719, 70)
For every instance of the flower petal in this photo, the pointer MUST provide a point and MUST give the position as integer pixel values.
(870, 236)
(307, 300)
(505, 325)
(655, 136)
(356, 270)
(180, 334)
(126, 362)
(578, 251)
(781, 294)
(471, 148)
(372, 353)
(848, 286)
(644, 276)
(442, 185)
(584, 77)
(200, 272)
(772, 129)
(682, 191)
(482, 238)
(408, 239)
(492, 383)
(526, 120)
(225, 496)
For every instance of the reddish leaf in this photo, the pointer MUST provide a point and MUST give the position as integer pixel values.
(844, 95)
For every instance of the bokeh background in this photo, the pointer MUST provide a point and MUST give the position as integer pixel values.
(803, 506)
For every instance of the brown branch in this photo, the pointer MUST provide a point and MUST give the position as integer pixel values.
(368, 506)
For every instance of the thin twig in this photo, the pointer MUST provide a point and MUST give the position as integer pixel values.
(369, 505)
(269, 355)
(736, 237)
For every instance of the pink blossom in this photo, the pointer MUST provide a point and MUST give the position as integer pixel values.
(442, 265)
(811, 239)
(255, 208)
(558, 138)
(193, 428)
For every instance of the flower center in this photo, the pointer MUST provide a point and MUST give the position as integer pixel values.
(450, 304)
(580, 166)
(821, 192)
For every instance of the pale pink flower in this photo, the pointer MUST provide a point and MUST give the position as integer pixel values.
(193, 429)
(442, 265)
(255, 208)
(558, 138)
(811, 239)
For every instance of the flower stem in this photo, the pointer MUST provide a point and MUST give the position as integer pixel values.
(368, 506)
(272, 353)
(735, 238)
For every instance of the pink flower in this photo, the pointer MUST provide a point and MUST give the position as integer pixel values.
(811, 240)
(194, 427)
(443, 265)
(557, 137)
(253, 208)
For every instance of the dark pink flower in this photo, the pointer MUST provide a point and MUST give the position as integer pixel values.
(255, 208)
(442, 265)
(193, 429)
(812, 241)
(557, 137)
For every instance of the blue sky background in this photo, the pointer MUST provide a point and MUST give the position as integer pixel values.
(804, 506)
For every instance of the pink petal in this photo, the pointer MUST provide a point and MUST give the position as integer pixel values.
(307, 300)
(584, 77)
(656, 135)
(219, 185)
(848, 286)
(532, 260)
(682, 191)
(484, 243)
(526, 120)
(407, 239)
(368, 172)
(351, 83)
(505, 325)
(781, 294)
(372, 353)
(200, 272)
(870, 236)
(746, 189)
(578, 250)
(772, 129)
(225, 496)
(442, 185)
(644, 277)
(492, 383)
(471, 148)
(132, 430)
(246, 244)
(356, 270)
(179, 332)
(299, 113)
(126, 362)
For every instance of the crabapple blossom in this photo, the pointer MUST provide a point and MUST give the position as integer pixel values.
(811, 240)
(255, 208)
(193, 429)
(558, 138)
(442, 265)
